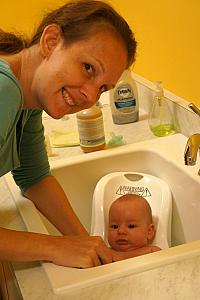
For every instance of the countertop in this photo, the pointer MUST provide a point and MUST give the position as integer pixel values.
(132, 132)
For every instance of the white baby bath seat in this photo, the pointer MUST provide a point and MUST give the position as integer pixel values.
(153, 189)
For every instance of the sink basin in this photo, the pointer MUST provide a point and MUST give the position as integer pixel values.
(162, 157)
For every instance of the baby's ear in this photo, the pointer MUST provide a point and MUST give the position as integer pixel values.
(151, 232)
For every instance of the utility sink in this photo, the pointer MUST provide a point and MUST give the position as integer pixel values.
(161, 157)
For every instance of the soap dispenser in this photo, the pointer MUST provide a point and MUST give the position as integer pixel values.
(91, 129)
(124, 100)
(160, 118)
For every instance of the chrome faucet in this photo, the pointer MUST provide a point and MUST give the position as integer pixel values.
(191, 149)
(193, 144)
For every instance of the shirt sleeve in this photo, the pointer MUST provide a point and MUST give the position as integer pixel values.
(10, 106)
(34, 164)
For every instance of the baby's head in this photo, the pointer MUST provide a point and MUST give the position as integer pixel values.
(130, 223)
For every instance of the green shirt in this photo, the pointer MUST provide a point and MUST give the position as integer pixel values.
(22, 148)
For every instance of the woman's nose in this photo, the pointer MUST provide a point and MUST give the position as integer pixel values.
(91, 93)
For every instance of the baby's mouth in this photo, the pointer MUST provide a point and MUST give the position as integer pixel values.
(67, 98)
(122, 242)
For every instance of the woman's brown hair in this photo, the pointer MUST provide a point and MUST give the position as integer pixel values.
(77, 19)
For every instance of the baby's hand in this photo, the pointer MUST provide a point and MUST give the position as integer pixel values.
(155, 248)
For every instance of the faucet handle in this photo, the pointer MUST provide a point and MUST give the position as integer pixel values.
(194, 108)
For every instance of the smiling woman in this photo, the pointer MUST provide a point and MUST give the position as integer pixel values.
(70, 43)
(78, 51)
(79, 70)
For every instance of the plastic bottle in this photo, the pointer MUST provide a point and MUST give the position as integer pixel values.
(124, 100)
(160, 118)
(91, 129)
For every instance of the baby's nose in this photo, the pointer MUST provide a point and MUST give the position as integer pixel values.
(122, 230)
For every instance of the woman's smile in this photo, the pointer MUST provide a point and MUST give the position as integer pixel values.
(67, 98)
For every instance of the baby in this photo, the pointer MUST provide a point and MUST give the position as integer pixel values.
(130, 228)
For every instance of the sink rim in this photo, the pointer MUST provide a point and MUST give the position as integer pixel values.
(171, 153)
(133, 265)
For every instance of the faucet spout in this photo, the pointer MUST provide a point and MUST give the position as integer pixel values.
(191, 149)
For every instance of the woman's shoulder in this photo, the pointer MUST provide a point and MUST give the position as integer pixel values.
(10, 90)
(10, 101)
(7, 77)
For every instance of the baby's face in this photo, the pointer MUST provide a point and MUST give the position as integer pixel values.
(128, 226)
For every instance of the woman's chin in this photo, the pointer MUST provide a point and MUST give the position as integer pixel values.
(56, 114)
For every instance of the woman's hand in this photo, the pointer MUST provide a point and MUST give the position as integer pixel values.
(79, 251)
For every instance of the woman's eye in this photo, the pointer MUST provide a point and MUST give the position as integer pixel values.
(103, 89)
(88, 68)
(131, 226)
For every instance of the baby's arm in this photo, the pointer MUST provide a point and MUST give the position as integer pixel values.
(118, 255)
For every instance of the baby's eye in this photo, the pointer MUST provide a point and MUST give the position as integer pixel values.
(114, 226)
(131, 226)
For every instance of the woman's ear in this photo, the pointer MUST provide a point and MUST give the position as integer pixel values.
(50, 38)
(151, 232)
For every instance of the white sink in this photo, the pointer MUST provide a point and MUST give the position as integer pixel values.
(162, 157)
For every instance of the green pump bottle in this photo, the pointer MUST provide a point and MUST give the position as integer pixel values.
(161, 121)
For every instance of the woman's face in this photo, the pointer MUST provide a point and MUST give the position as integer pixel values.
(73, 76)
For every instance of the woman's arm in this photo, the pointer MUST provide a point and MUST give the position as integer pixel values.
(34, 178)
(70, 251)
(75, 250)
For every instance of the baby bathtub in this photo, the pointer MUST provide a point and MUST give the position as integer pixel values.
(152, 188)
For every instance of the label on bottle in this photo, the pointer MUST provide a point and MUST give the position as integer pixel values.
(91, 132)
(124, 98)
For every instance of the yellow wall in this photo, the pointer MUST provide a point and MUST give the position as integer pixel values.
(168, 42)
(167, 32)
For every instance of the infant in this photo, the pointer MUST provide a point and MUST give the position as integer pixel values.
(130, 227)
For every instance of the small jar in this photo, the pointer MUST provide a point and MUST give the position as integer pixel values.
(91, 129)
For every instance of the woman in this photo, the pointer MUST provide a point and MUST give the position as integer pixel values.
(77, 52)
